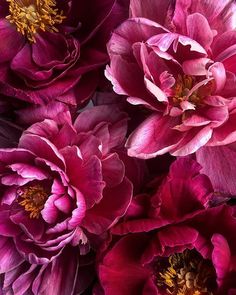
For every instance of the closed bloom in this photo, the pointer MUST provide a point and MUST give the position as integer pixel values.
(177, 60)
(45, 53)
(63, 184)
(182, 247)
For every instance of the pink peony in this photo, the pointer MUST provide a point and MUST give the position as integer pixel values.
(54, 49)
(178, 61)
(181, 247)
(63, 185)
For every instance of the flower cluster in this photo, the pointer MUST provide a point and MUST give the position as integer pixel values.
(117, 147)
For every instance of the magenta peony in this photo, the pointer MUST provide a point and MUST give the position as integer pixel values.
(182, 246)
(53, 49)
(63, 185)
(177, 59)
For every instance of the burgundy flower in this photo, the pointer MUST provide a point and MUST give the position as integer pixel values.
(64, 184)
(182, 246)
(178, 62)
(53, 49)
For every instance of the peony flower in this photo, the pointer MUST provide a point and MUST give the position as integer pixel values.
(64, 184)
(178, 62)
(53, 49)
(182, 247)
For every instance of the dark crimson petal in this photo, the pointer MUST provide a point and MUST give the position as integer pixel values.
(13, 41)
(45, 51)
(110, 209)
(124, 258)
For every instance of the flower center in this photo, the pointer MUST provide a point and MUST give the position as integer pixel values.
(188, 88)
(33, 199)
(29, 16)
(186, 273)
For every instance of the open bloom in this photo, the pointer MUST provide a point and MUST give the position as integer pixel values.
(63, 183)
(45, 53)
(182, 247)
(178, 62)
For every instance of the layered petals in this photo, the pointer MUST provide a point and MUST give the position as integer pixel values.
(198, 235)
(63, 184)
(33, 68)
(173, 60)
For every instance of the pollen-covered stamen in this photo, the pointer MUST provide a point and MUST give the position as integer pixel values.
(186, 273)
(33, 198)
(182, 88)
(188, 88)
(29, 16)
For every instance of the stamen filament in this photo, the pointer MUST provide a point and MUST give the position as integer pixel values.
(30, 16)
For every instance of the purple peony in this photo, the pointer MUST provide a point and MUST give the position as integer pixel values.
(53, 49)
(177, 59)
(181, 246)
(64, 185)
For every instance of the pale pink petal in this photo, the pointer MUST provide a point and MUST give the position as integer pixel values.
(192, 141)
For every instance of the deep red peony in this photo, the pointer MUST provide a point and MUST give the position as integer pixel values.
(53, 49)
(192, 251)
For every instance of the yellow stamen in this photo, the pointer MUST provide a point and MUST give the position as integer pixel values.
(186, 273)
(33, 199)
(30, 16)
(182, 87)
